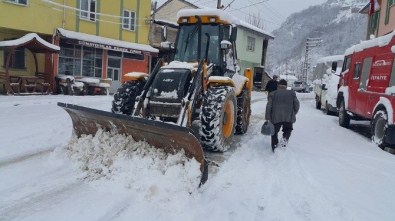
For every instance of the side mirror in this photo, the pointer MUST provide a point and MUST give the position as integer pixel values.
(393, 49)
(334, 67)
(167, 45)
(232, 33)
(164, 33)
(225, 44)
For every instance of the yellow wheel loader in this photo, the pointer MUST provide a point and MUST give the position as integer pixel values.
(197, 101)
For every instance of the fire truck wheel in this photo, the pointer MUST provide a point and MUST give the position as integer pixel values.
(317, 103)
(379, 126)
(327, 110)
(344, 118)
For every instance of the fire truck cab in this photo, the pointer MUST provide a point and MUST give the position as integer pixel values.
(367, 88)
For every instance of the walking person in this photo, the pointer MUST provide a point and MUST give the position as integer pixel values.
(281, 110)
(272, 84)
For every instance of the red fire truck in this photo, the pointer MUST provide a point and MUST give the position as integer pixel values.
(367, 88)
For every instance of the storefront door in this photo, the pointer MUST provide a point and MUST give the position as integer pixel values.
(114, 72)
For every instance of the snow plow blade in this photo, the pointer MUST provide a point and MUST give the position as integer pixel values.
(170, 138)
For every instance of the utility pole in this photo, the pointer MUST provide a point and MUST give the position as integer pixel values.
(310, 43)
(219, 5)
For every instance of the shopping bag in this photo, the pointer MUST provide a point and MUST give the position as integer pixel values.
(267, 128)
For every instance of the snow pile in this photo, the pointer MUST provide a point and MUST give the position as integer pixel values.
(134, 164)
(170, 94)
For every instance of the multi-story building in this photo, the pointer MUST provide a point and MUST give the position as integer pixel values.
(381, 17)
(98, 39)
(251, 41)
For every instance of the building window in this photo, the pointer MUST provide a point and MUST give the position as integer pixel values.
(20, 2)
(17, 59)
(366, 67)
(392, 82)
(88, 9)
(357, 70)
(390, 3)
(250, 43)
(91, 62)
(374, 23)
(129, 20)
(78, 60)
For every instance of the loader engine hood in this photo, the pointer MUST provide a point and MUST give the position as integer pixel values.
(167, 92)
(170, 85)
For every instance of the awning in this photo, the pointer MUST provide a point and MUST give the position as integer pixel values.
(107, 43)
(365, 9)
(33, 42)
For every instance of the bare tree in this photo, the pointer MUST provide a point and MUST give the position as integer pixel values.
(255, 20)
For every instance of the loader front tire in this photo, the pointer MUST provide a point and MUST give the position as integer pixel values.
(125, 97)
(218, 118)
(243, 112)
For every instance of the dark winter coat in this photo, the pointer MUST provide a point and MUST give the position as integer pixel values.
(271, 86)
(282, 106)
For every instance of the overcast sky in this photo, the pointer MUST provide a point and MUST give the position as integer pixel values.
(271, 12)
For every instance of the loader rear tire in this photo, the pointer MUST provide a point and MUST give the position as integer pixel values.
(125, 97)
(218, 118)
(243, 112)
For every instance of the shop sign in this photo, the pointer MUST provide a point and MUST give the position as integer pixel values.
(108, 47)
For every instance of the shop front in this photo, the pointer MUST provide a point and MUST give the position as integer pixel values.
(84, 56)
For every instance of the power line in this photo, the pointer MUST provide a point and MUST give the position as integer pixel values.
(80, 10)
(248, 14)
(229, 4)
(275, 11)
(249, 5)
(77, 14)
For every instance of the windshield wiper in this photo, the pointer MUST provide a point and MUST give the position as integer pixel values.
(190, 35)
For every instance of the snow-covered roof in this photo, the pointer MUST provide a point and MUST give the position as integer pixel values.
(208, 11)
(380, 41)
(27, 38)
(167, 22)
(223, 16)
(254, 28)
(331, 59)
(106, 41)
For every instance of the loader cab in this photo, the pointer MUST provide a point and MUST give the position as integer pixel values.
(203, 37)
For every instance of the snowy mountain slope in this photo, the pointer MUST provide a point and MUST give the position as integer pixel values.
(336, 22)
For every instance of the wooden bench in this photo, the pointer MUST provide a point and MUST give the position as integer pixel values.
(11, 84)
(43, 82)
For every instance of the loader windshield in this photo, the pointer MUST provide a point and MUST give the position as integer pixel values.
(187, 49)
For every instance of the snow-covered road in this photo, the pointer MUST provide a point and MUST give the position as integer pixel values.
(326, 173)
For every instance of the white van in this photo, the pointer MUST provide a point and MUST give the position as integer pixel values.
(326, 82)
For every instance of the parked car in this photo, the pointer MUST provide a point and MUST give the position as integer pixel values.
(326, 73)
(300, 86)
(367, 88)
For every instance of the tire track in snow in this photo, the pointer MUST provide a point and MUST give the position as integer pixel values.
(290, 187)
(216, 159)
(32, 203)
(28, 156)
